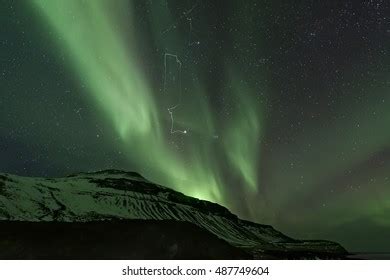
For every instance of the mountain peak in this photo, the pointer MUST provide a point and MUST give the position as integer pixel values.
(109, 172)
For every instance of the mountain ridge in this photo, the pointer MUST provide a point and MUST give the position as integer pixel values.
(121, 195)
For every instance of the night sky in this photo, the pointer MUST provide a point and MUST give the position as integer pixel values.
(278, 110)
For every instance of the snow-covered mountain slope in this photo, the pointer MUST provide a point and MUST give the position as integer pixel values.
(114, 194)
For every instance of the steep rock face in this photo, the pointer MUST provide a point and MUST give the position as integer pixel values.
(112, 194)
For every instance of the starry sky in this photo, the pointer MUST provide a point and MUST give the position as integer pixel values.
(278, 110)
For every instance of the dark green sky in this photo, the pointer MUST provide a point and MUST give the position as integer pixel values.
(278, 110)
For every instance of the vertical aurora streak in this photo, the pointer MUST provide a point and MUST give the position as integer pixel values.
(111, 67)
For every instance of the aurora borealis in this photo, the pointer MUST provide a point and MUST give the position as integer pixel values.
(285, 107)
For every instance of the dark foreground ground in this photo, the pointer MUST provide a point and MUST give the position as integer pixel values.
(124, 239)
(134, 239)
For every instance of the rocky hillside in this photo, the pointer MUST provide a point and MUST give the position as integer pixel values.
(113, 195)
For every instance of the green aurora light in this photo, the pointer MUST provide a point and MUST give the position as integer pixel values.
(109, 62)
